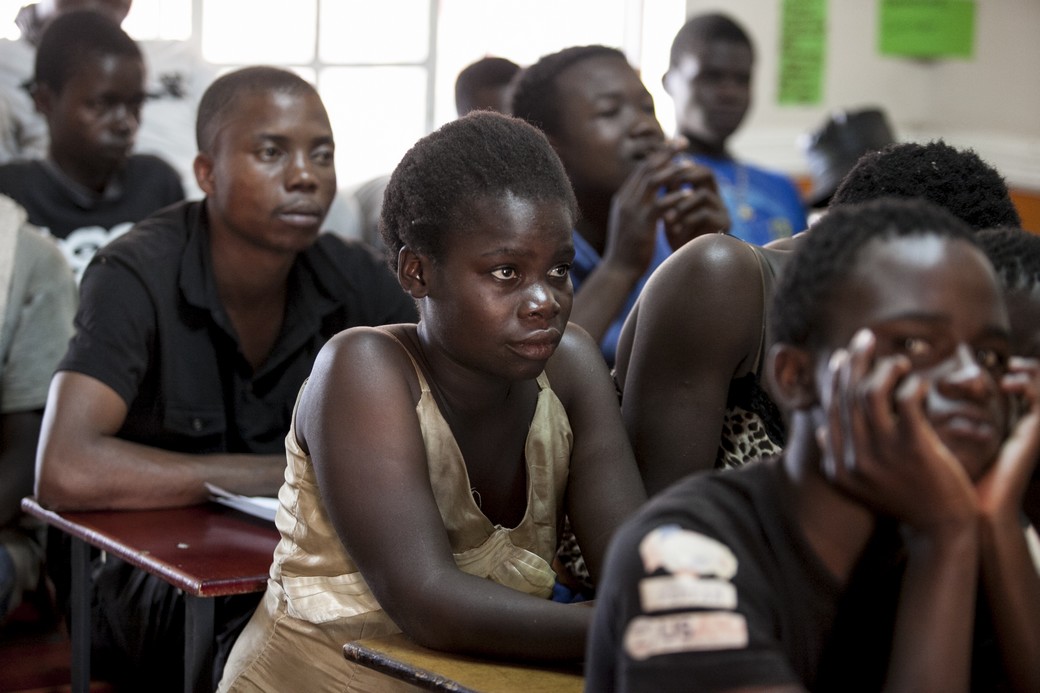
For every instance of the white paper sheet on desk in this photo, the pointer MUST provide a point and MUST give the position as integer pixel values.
(258, 506)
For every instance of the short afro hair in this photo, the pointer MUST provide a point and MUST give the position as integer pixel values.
(707, 28)
(535, 97)
(1015, 255)
(487, 73)
(74, 37)
(480, 155)
(226, 92)
(801, 304)
(956, 179)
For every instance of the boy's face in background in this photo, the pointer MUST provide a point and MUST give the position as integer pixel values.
(270, 176)
(93, 119)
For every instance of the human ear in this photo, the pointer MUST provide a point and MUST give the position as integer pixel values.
(410, 272)
(203, 167)
(43, 99)
(791, 377)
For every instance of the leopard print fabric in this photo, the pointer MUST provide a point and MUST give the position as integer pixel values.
(752, 427)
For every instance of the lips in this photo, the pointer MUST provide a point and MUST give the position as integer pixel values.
(968, 425)
(301, 213)
(538, 348)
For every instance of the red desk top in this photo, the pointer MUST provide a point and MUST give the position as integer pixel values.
(206, 550)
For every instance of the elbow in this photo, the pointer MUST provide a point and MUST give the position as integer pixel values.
(58, 486)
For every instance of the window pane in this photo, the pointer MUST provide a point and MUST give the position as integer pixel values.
(521, 31)
(159, 19)
(377, 113)
(8, 11)
(387, 31)
(271, 32)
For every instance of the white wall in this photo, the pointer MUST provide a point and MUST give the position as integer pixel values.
(990, 102)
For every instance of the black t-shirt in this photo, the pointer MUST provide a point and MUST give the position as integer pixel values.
(712, 586)
(151, 326)
(80, 220)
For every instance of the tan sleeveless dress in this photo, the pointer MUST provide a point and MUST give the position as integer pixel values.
(316, 599)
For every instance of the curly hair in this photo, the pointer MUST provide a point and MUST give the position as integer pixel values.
(1015, 255)
(479, 155)
(73, 37)
(488, 72)
(223, 95)
(956, 179)
(704, 28)
(535, 97)
(830, 250)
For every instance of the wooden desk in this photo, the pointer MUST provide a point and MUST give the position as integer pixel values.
(205, 551)
(398, 657)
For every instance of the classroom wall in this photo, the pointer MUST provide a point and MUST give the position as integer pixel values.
(990, 102)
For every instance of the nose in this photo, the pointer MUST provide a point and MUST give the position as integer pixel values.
(540, 302)
(965, 377)
(301, 174)
(124, 119)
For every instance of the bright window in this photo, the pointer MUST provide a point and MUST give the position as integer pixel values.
(386, 68)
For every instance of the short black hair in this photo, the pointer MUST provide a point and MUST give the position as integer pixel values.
(535, 97)
(1015, 254)
(956, 179)
(488, 72)
(227, 90)
(824, 259)
(71, 39)
(479, 155)
(706, 28)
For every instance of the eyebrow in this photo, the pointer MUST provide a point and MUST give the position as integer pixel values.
(988, 331)
(282, 139)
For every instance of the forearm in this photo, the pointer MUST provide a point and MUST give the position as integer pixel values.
(474, 615)
(1012, 585)
(110, 473)
(931, 647)
(601, 296)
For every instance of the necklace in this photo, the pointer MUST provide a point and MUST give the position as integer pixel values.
(742, 184)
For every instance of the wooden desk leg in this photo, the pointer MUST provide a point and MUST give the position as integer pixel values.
(199, 645)
(79, 625)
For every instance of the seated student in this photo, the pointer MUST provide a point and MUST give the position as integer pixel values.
(37, 300)
(90, 189)
(176, 77)
(638, 201)
(1015, 255)
(194, 333)
(709, 80)
(862, 557)
(484, 85)
(691, 354)
(446, 529)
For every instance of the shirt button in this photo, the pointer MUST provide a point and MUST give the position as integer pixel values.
(196, 425)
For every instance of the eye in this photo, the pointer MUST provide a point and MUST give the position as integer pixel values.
(504, 273)
(323, 156)
(917, 348)
(268, 153)
(560, 271)
(992, 359)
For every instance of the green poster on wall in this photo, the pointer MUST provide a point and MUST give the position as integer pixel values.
(926, 28)
(803, 33)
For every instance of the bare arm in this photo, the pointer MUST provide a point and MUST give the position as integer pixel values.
(82, 465)
(698, 325)
(690, 207)
(1009, 575)
(357, 419)
(18, 435)
(604, 487)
